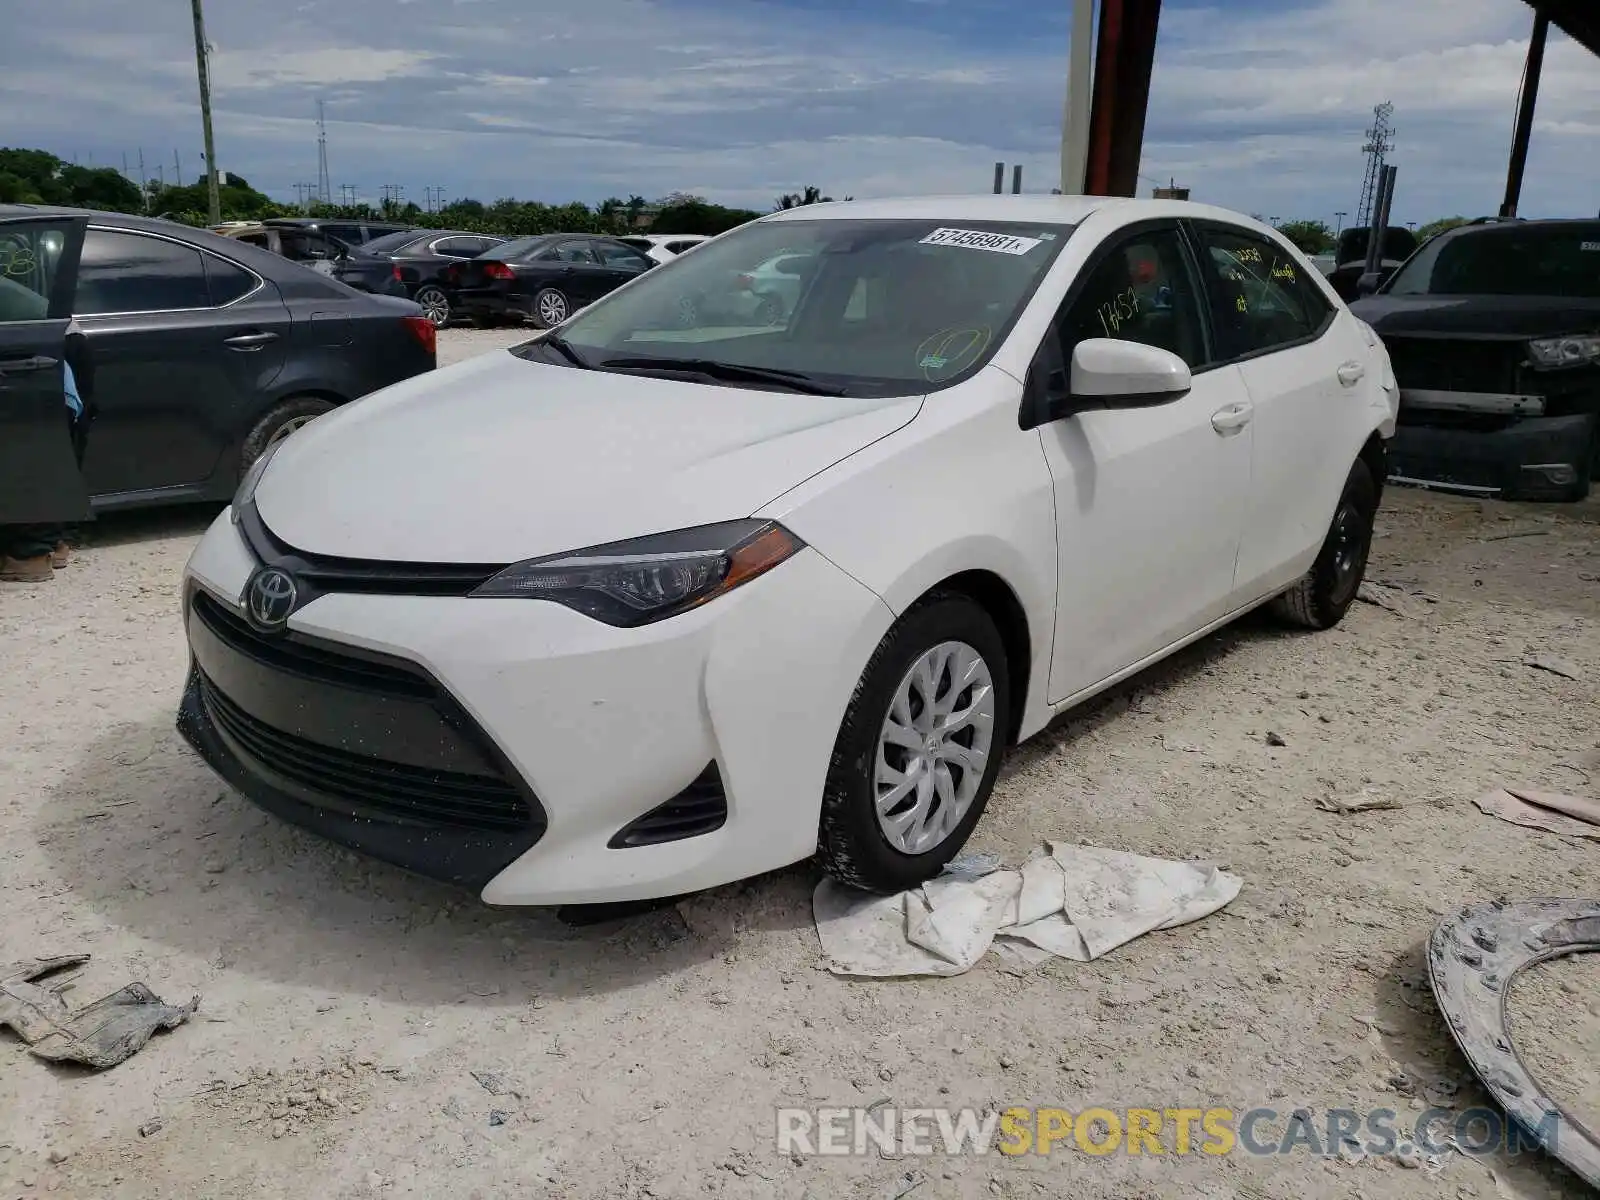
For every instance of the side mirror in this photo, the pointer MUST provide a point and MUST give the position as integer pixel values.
(1110, 373)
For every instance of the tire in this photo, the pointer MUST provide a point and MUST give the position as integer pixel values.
(435, 304)
(1322, 596)
(769, 311)
(550, 307)
(278, 424)
(853, 844)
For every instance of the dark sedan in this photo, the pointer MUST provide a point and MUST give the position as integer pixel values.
(545, 278)
(198, 352)
(414, 264)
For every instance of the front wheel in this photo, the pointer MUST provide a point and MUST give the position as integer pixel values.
(1325, 593)
(550, 307)
(435, 305)
(919, 748)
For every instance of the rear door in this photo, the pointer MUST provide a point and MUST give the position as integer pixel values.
(39, 477)
(184, 342)
(1303, 362)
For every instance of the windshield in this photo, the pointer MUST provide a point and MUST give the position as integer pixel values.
(520, 247)
(1507, 260)
(863, 307)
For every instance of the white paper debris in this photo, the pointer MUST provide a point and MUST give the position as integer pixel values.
(1077, 902)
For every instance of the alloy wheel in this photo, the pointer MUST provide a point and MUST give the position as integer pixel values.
(289, 426)
(435, 306)
(552, 308)
(934, 747)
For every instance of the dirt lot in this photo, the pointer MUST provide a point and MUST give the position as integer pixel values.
(346, 1006)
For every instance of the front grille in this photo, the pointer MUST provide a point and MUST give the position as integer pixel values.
(393, 790)
(323, 573)
(1456, 364)
(306, 661)
(700, 808)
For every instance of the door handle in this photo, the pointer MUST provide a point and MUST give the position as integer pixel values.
(1232, 418)
(1351, 373)
(36, 362)
(249, 341)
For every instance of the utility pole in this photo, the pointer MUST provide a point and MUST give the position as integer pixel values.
(347, 195)
(324, 185)
(1527, 98)
(144, 184)
(1079, 98)
(1339, 222)
(202, 56)
(1380, 140)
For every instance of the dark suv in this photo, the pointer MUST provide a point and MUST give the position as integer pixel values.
(1494, 332)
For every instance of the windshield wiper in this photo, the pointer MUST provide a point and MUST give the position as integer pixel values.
(797, 381)
(564, 348)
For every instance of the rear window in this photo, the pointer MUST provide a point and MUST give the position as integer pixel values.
(1507, 260)
(390, 242)
(1398, 243)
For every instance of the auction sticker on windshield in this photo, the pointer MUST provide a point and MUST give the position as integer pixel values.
(976, 239)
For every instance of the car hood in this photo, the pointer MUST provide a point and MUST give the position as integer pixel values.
(1478, 316)
(499, 459)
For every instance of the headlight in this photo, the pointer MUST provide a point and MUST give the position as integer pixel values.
(247, 485)
(646, 579)
(1565, 351)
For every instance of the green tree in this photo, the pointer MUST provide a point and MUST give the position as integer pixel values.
(1424, 232)
(811, 194)
(1313, 237)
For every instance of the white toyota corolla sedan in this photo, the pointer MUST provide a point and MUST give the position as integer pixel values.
(643, 606)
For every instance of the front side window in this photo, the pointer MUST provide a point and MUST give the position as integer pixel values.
(1506, 260)
(29, 255)
(1142, 291)
(864, 307)
(123, 272)
(1260, 300)
(614, 255)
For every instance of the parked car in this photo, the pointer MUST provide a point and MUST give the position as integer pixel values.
(316, 250)
(1494, 330)
(764, 295)
(205, 352)
(664, 247)
(1350, 258)
(544, 278)
(350, 232)
(636, 609)
(415, 264)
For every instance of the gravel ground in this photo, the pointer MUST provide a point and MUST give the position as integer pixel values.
(346, 1006)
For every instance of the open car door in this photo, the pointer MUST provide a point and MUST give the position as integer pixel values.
(40, 482)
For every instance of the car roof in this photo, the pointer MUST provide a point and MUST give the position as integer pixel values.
(1062, 210)
(392, 226)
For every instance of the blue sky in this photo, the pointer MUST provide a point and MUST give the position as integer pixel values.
(1256, 105)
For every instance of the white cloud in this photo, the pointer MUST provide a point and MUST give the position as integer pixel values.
(1262, 111)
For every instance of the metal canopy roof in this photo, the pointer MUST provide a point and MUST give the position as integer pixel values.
(1579, 19)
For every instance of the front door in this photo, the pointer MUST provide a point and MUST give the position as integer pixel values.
(1149, 501)
(184, 344)
(39, 478)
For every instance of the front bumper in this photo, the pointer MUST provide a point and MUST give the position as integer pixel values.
(1529, 458)
(594, 726)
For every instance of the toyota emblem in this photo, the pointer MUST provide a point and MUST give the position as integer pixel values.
(270, 597)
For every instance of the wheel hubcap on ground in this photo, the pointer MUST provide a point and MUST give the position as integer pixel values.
(434, 305)
(552, 309)
(934, 747)
(288, 427)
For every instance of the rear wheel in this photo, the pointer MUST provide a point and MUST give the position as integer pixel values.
(918, 749)
(550, 307)
(1325, 593)
(279, 423)
(435, 305)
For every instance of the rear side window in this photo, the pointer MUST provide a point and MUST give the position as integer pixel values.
(227, 281)
(575, 252)
(123, 272)
(1260, 297)
(680, 247)
(1142, 291)
(614, 255)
